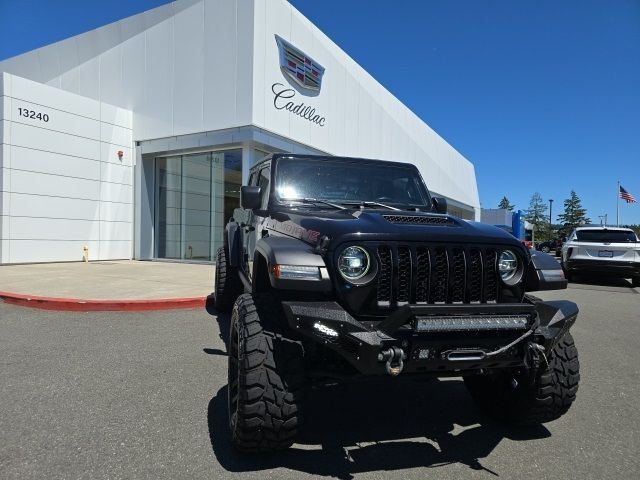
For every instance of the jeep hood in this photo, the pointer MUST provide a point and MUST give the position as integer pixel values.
(390, 225)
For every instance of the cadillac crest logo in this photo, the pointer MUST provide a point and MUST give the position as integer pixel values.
(301, 68)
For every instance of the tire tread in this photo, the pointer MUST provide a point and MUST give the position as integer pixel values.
(550, 397)
(270, 378)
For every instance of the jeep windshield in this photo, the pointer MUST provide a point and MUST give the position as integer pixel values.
(351, 183)
(606, 236)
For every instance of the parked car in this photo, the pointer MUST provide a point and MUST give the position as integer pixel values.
(549, 246)
(606, 251)
(338, 269)
(528, 243)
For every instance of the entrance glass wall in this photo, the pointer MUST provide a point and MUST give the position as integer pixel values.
(195, 196)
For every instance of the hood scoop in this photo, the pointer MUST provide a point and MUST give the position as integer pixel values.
(419, 220)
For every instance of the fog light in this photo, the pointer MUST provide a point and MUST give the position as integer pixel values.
(423, 354)
(325, 330)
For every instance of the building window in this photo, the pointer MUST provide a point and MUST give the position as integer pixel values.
(195, 196)
(259, 154)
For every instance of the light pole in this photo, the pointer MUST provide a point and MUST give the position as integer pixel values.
(550, 227)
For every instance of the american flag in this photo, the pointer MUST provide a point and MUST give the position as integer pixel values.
(626, 196)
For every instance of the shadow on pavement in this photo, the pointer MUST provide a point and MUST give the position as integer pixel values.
(215, 351)
(388, 425)
(601, 281)
(223, 324)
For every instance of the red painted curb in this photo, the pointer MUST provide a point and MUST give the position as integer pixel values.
(80, 305)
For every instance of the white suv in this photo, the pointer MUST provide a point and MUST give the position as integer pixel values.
(603, 251)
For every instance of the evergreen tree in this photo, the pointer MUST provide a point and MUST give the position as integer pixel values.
(504, 203)
(536, 215)
(574, 215)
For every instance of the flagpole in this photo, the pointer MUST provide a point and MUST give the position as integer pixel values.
(618, 205)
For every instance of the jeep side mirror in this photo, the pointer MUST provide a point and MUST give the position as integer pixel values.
(439, 204)
(250, 197)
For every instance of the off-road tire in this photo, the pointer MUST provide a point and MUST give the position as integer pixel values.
(550, 396)
(226, 285)
(266, 374)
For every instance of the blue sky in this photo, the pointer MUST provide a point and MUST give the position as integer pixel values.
(541, 96)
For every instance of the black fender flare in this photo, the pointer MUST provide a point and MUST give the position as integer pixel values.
(544, 273)
(232, 239)
(278, 250)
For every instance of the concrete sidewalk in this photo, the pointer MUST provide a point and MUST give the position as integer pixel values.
(125, 282)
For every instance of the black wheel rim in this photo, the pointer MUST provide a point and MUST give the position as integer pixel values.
(233, 374)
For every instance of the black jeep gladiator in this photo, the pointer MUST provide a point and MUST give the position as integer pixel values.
(339, 268)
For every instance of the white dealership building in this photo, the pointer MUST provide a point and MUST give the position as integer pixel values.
(131, 140)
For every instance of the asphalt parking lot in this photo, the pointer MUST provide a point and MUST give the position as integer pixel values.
(114, 395)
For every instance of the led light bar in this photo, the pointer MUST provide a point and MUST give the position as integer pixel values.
(296, 272)
(459, 323)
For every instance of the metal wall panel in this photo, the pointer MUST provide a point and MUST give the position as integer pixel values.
(63, 183)
(157, 108)
(220, 70)
(111, 81)
(30, 204)
(188, 70)
(42, 161)
(51, 141)
(34, 250)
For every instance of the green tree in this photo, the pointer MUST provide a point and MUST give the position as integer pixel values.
(574, 214)
(536, 214)
(504, 203)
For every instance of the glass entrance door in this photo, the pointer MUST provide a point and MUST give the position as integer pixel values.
(195, 196)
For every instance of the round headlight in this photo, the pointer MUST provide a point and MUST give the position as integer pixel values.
(507, 265)
(353, 263)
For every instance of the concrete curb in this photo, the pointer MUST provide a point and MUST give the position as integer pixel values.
(80, 305)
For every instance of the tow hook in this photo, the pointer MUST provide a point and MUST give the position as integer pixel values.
(394, 356)
(536, 360)
(537, 357)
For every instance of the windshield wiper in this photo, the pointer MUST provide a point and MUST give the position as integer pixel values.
(316, 201)
(367, 203)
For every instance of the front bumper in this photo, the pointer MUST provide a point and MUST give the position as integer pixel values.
(435, 339)
(624, 269)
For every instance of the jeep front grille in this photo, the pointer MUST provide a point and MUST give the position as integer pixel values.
(427, 274)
